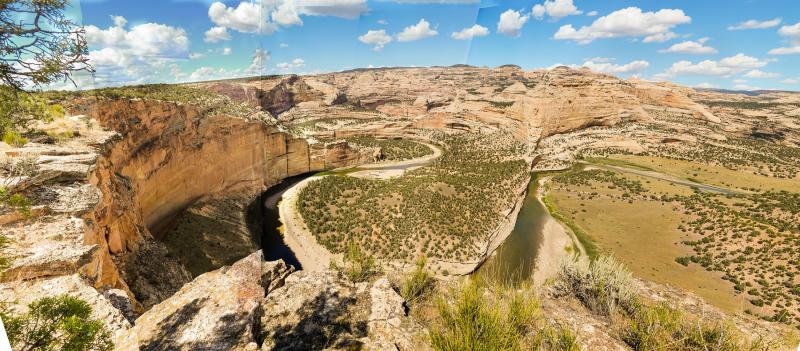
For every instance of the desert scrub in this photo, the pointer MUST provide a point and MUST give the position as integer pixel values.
(393, 149)
(662, 327)
(477, 319)
(56, 323)
(603, 285)
(416, 284)
(209, 102)
(358, 266)
(444, 210)
(14, 139)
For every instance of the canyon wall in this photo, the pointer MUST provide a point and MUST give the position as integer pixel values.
(169, 156)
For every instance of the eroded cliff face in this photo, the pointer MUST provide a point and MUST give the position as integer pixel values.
(170, 156)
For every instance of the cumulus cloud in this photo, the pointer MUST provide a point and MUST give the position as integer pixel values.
(792, 33)
(610, 68)
(377, 38)
(790, 81)
(471, 32)
(591, 13)
(691, 47)
(756, 24)
(296, 63)
(723, 68)
(421, 30)
(555, 8)
(259, 63)
(247, 17)
(659, 37)
(226, 51)
(196, 55)
(266, 16)
(216, 35)
(627, 22)
(511, 23)
(761, 74)
(136, 55)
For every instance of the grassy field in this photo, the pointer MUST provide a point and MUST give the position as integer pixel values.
(703, 173)
(643, 234)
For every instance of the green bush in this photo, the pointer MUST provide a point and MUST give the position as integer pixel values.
(662, 327)
(476, 318)
(56, 323)
(15, 202)
(603, 285)
(14, 139)
(417, 283)
(471, 323)
(358, 265)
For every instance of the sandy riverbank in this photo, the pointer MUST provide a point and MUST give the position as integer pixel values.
(312, 255)
(555, 242)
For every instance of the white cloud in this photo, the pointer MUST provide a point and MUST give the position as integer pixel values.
(740, 81)
(259, 63)
(791, 32)
(628, 22)
(421, 30)
(555, 8)
(756, 24)
(511, 22)
(383, 22)
(196, 55)
(659, 37)
(790, 81)
(591, 13)
(792, 50)
(691, 47)
(136, 55)
(283, 45)
(247, 17)
(377, 38)
(705, 85)
(600, 59)
(606, 67)
(296, 63)
(210, 73)
(265, 16)
(226, 51)
(216, 35)
(761, 74)
(471, 32)
(722, 68)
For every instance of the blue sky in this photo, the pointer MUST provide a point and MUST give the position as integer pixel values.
(744, 44)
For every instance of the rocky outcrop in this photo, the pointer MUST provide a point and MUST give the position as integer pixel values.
(254, 304)
(318, 310)
(219, 310)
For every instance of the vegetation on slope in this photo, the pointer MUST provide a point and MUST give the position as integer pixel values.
(393, 149)
(442, 210)
(56, 323)
(751, 238)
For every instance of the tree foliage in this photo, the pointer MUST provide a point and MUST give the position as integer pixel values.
(38, 43)
(57, 323)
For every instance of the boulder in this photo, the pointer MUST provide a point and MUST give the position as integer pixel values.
(219, 310)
